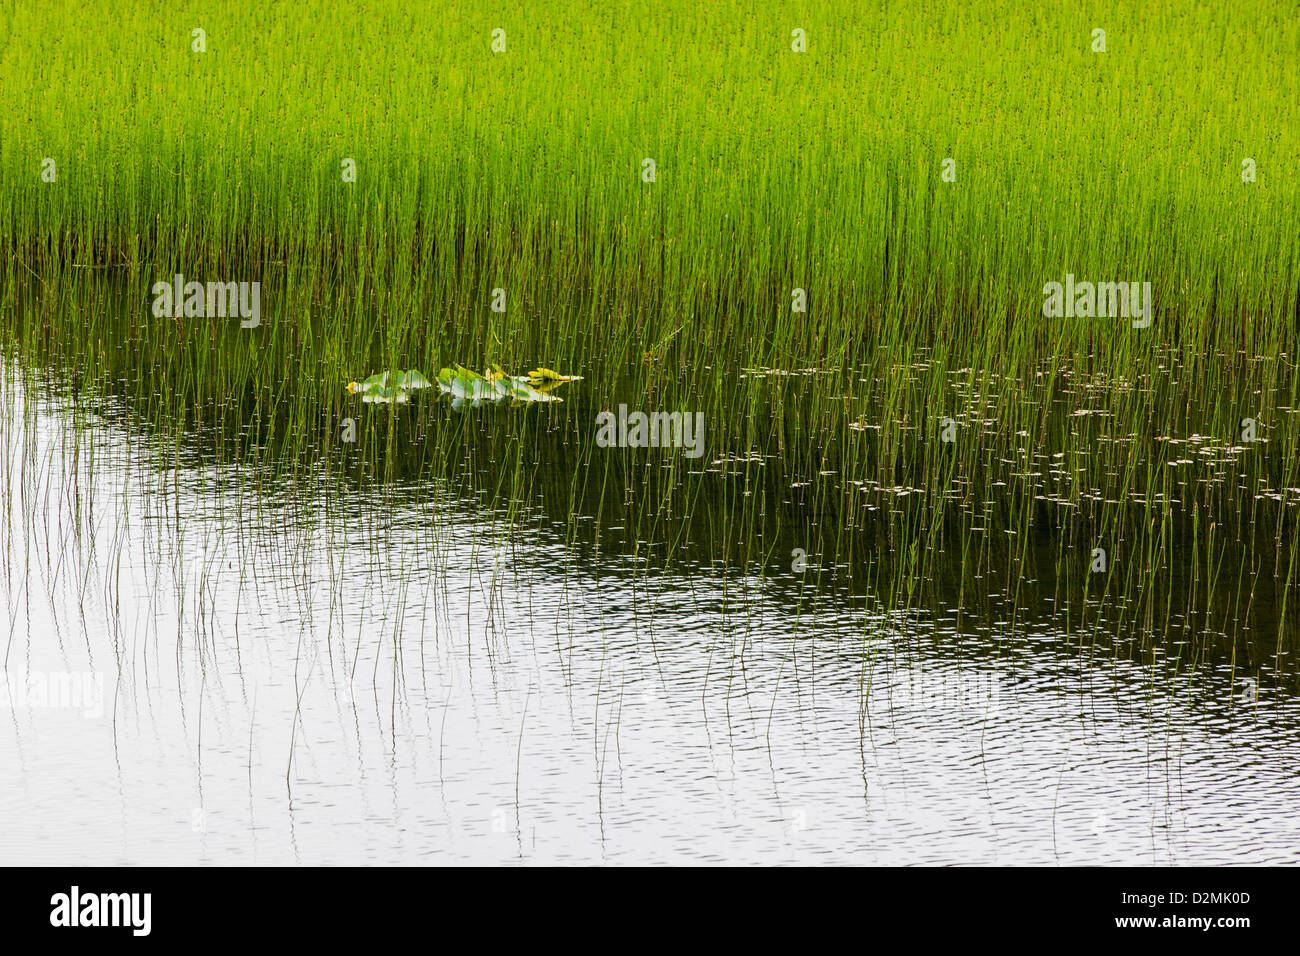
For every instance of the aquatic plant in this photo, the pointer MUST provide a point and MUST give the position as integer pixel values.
(389, 387)
(464, 384)
(860, 323)
(779, 228)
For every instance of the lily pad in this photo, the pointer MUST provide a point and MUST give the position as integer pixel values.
(541, 376)
(389, 387)
(412, 379)
(464, 384)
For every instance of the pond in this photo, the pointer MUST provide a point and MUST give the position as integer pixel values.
(509, 656)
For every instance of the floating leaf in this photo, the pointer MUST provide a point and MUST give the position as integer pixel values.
(372, 384)
(464, 384)
(389, 387)
(549, 377)
(412, 379)
(386, 396)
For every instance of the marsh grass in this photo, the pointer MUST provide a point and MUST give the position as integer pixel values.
(998, 525)
(776, 170)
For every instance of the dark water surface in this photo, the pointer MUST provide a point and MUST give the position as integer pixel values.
(211, 663)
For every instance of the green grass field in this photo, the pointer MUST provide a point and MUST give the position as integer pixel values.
(775, 170)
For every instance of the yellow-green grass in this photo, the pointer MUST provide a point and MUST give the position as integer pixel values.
(775, 169)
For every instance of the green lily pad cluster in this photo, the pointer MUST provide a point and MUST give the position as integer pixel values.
(466, 385)
(390, 388)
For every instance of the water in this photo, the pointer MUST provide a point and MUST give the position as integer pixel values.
(247, 670)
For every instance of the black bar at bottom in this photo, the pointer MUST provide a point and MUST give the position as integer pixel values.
(335, 906)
